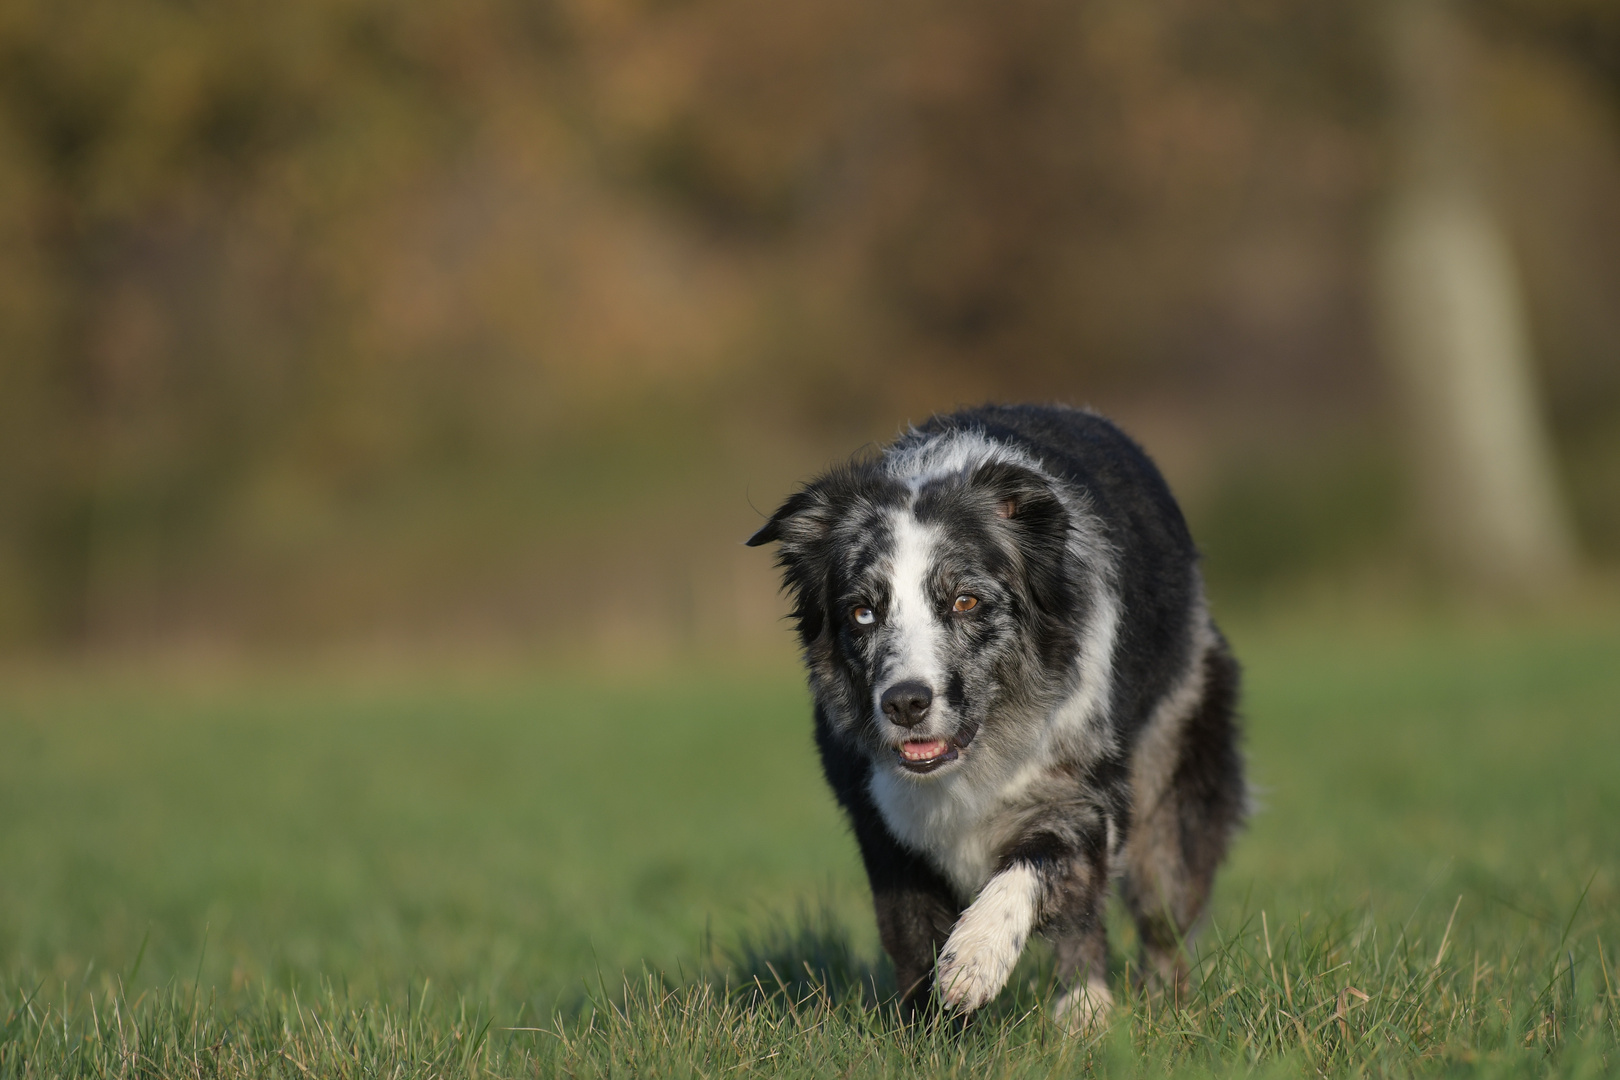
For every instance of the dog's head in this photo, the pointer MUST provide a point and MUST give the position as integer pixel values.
(933, 613)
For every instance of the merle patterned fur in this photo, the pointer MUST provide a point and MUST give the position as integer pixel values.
(1019, 695)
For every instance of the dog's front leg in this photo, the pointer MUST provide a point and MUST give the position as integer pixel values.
(989, 937)
(1045, 883)
(915, 909)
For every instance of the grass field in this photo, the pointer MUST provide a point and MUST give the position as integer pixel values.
(608, 875)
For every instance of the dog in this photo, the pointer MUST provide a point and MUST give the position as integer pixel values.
(1019, 695)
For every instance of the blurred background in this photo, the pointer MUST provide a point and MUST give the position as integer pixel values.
(496, 325)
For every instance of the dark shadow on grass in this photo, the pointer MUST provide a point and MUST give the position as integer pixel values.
(806, 955)
(802, 968)
(785, 964)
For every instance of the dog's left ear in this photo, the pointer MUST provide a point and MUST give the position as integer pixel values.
(1022, 496)
(1037, 523)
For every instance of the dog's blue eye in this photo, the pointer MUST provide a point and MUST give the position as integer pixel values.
(865, 616)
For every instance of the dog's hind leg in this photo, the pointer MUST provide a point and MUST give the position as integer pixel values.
(1188, 797)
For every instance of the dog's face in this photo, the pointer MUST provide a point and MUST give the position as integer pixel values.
(932, 616)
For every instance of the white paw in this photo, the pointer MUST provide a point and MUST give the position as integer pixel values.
(987, 941)
(1084, 1009)
(970, 976)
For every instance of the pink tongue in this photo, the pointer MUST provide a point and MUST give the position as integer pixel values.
(923, 751)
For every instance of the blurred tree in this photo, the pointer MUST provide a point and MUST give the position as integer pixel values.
(1456, 329)
(1034, 176)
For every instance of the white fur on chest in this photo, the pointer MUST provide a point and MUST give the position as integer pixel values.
(952, 819)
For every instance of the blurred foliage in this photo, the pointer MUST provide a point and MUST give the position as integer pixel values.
(358, 318)
(1586, 31)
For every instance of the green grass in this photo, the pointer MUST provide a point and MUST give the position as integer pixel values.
(599, 875)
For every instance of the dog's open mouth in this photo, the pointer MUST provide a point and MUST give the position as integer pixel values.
(926, 755)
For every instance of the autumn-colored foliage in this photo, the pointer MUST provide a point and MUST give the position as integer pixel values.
(354, 317)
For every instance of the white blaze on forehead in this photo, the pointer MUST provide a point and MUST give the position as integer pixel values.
(914, 624)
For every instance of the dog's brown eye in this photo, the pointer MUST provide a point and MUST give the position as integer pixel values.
(863, 616)
(966, 603)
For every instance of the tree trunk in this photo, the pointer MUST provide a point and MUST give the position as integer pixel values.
(1456, 336)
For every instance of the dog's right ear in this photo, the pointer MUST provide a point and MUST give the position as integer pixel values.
(771, 531)
(806, 517)
(801, 512)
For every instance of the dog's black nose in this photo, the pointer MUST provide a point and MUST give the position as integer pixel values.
(906, 703)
